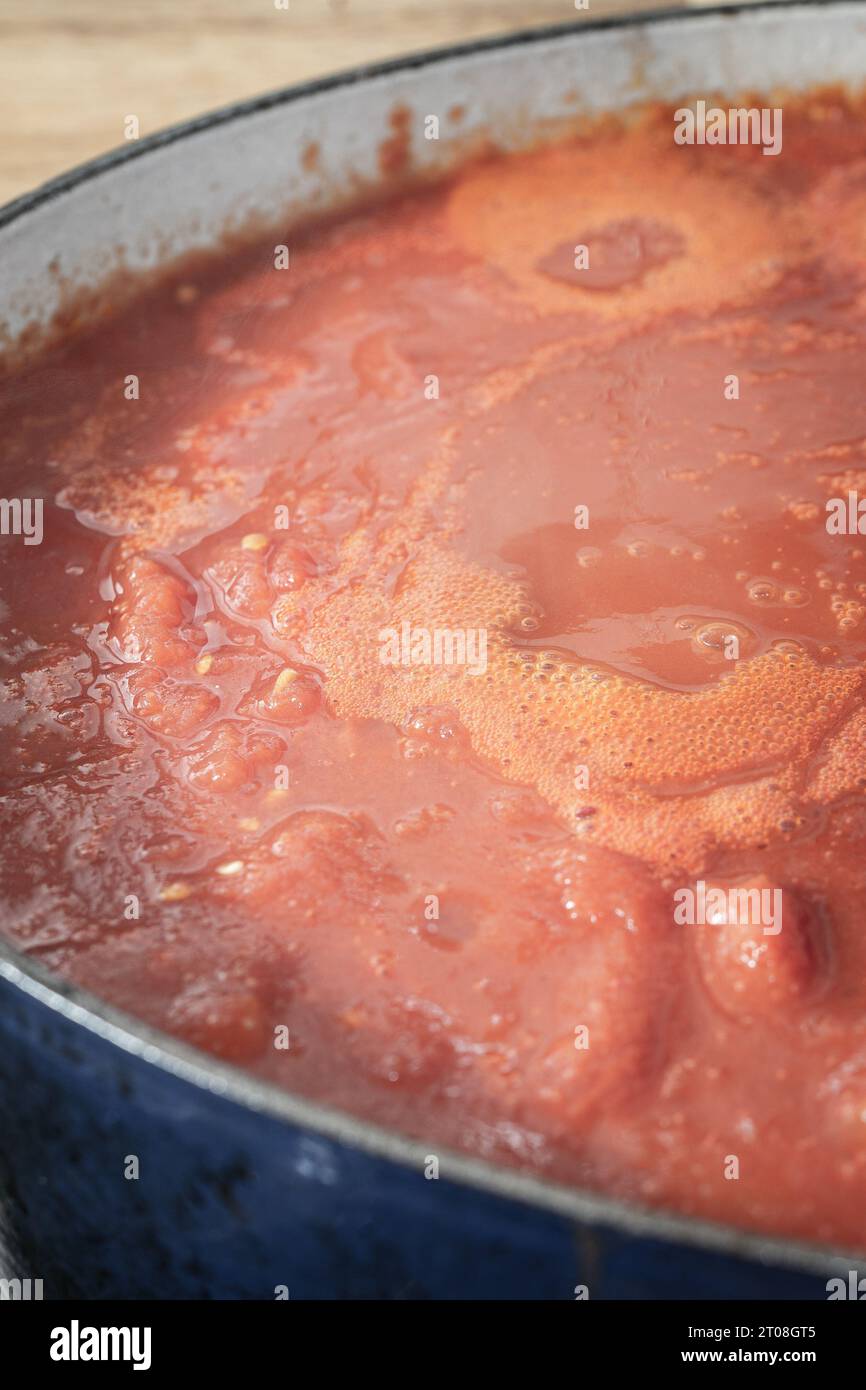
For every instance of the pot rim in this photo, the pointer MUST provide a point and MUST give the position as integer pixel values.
(231, 1083)
(361, 73)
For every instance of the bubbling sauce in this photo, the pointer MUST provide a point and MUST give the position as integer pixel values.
(435, 617)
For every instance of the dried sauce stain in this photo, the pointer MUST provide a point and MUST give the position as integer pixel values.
(395, 150)
(310, 157)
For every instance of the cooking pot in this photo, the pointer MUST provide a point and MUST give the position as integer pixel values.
(244, 1190)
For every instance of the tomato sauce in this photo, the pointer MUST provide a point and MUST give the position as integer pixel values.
(417, 628)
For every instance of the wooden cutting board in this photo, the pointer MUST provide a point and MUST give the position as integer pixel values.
(72, 71)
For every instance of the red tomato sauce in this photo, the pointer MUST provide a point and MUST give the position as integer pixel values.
(425, 621)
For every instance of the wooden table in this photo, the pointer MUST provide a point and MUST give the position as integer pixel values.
(71, 71)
